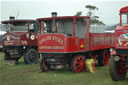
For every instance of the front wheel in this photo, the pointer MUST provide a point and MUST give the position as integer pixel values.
(78, 64)
(117, 69)
(31, 57)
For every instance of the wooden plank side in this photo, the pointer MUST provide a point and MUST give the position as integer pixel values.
(100, 41)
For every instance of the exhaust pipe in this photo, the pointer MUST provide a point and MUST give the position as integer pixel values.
(54, 28)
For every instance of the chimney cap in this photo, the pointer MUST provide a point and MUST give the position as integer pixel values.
(11, 17)
(54, 14)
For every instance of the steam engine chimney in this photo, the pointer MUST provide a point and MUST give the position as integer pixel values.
(54, 28)
(11, 17)
(54, 14)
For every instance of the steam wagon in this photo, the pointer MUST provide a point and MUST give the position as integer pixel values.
(70, 40)
(21, 40)
(119, 60)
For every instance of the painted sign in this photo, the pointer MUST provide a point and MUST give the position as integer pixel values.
(54, 38)
(123, 38)
(51, 39)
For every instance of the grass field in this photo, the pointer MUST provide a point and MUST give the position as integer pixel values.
(22, 74)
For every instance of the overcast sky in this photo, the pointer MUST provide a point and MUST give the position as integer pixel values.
(32, 9)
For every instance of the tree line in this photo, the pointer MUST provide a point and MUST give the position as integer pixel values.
(94, 19)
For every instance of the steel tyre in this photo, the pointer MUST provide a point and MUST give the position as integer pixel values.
(31, 57)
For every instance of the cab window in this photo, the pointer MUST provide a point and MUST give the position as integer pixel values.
(80, 27)
(125, 19)
(33, 27)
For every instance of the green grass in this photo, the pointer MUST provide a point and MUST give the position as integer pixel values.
(22, 74)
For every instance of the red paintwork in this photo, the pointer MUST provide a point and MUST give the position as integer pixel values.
(101, 41)
(43, 66)
(20, 38)
(17, 20)
(72, 44)
(121, 49)
(106, 58)
(113, 53)
(47, 44)
(123, 10)
(120, 30)
(122, 69)
(63, 17)
(79, 64)
(91, 41)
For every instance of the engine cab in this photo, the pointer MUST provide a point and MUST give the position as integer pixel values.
(21, 37)
(122, 32)
(62, 34)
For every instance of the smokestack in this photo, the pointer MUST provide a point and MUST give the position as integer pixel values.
(54, 29)
(54, 14)
(11, 17)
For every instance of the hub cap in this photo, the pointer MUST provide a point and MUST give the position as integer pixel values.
(32, 56)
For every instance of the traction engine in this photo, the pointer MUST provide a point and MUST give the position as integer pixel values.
(119, 57)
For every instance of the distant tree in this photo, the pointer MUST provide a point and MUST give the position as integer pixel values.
(96, 17)
(91, 12)
(79, 13)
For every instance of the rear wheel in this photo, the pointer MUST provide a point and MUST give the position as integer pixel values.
(78, 64)
(103, 58)
(31, 57)
(117, 69)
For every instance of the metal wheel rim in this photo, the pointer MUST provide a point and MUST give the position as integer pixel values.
(79, 64)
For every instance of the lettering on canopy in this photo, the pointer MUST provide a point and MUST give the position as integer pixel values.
(51, 38)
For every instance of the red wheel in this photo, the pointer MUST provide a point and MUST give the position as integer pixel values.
(103, 58)
(78, 64)
(43, 66)
(106, 57)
